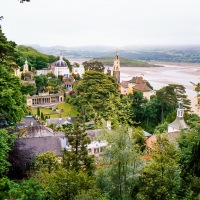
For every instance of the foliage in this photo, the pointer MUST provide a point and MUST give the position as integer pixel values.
(91, 194)
(28, 89)
(161, 128)
(181, 96)
(121, 155)
(41, 82)
(160, 177)
(27, 189)
(20, 159)
(35, 59)
(63, 184)
(93, 65)
(6, 142)
(46, 162)
(95, 94)
(12, 103)
(77, 157)
(192, 119)
(189, 144)
(168, 101)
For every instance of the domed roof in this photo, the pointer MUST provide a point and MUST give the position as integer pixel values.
(60, 62)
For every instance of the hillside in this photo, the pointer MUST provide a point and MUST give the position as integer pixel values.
(35, 58)
(125, 62)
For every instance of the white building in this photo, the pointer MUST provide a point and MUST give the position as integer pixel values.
(61, 68)
(179, 122)
(78, 70)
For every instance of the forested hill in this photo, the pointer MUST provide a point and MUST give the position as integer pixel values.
(35, 58)
(125, 62)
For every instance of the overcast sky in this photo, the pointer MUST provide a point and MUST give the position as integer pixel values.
(102, 22)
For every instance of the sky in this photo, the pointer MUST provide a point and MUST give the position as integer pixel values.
(115, 23)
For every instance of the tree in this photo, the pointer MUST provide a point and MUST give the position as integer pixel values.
(181, 96)
(77, 158)
(28, 89)
(6, 142)
(94, 94)
(189, 144)
(46, 162)
(12, 102)
(65, 184)
(20, 159)
(26, 189)
(41, 82)
(168, 100)
(122, 157)
(93, 65)
(160, 177)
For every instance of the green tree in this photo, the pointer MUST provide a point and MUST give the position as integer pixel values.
(168, 100)
(93, 65)
(41, 82)
(26, 189)
(28, 89)
(189, 144)
(121, 155)
(77, 158)
(38, 111)
(65, 184)
(12, 102)
(181, 96)
(46, 162)
(94, 94)
(160, 177)
(6, 141)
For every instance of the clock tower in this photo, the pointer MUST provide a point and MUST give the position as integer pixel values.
(116, 68)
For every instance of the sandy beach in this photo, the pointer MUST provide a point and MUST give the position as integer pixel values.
(170, 73)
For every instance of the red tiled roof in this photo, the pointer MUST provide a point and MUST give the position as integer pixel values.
(142, 87)
(136, 80)
(124, 84)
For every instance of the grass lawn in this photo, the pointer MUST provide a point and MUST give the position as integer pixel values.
(65, 107)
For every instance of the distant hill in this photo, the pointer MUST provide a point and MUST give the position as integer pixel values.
(125, 62)
(186, 53)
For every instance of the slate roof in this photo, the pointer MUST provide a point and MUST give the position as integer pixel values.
(60, 121)
(41, 145)
(36, 131)
(179, 123)
(142, 87)
(28, 121)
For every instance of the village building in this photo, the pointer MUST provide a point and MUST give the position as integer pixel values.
(39, 139)
(179, 123)
(60, 121)
(58, 68)
(44, 98)
(174, 128)
(69, 82)
(136, 84)
(78, 70)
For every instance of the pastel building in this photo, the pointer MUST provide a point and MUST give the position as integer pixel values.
(78, 70)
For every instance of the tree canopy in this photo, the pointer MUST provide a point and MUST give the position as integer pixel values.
(94, 94)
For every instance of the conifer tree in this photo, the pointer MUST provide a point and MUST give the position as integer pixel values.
(77, 158)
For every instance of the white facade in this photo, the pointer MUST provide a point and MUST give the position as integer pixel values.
(64, 71)
(78, 70)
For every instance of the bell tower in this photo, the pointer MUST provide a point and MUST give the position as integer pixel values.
(25, 70)
(116, 68)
